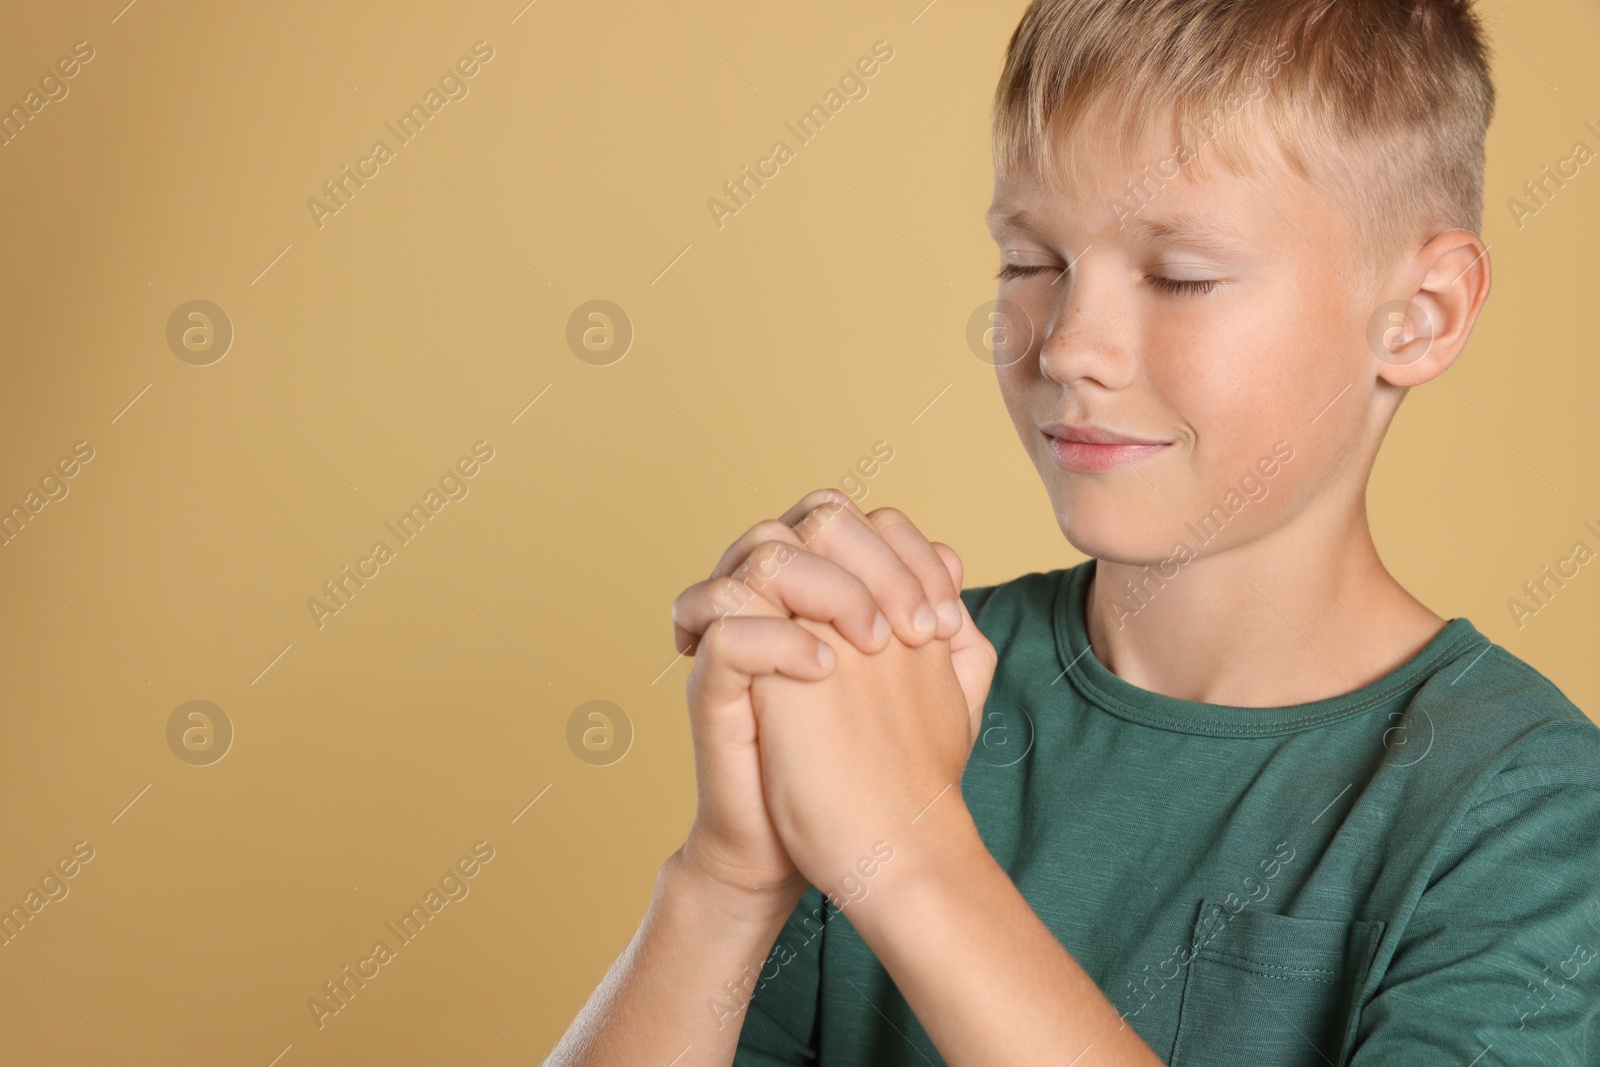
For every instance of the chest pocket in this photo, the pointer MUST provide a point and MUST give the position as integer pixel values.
(1271, 989)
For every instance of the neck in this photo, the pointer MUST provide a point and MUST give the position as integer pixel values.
(1305, 612)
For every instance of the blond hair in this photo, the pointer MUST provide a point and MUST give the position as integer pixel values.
(1384, 103)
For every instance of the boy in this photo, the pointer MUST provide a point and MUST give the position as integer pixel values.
(1225, 793)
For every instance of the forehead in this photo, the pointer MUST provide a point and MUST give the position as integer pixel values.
(1150, 191)
(1211, 230)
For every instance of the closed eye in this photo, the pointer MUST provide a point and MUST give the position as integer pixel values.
(1174, 286)
(1018, 270)
(1181, 286)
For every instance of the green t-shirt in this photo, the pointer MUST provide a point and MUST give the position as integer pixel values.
(1405, 874)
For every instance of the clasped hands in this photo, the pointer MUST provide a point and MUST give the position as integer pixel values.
(805, 761)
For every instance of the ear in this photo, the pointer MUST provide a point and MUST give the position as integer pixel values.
(1418, 332)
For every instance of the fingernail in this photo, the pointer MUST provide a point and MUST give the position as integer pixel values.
(924, 621)
(825, 654)
(950, 615)
(880, 627)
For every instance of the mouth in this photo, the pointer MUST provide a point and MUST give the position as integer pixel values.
(1088, 449)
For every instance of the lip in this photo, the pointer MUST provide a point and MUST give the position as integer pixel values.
(1088, 448)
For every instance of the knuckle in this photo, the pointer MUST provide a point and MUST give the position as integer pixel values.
(693, 598)
(691, 604)
(765, 530)
(715, 641)
(815, 523)
(767, 556)
(827, 497)
(729, 595)
(820, 508)
(888, 516)
(773, 529)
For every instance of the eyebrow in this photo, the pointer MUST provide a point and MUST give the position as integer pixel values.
(999, 219)
(1190, 231)
(1183, 228)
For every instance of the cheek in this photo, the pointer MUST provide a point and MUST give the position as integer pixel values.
(1016, 383)
(1239, 394)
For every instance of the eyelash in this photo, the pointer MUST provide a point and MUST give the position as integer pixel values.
(1174, 286)
(1181, 286)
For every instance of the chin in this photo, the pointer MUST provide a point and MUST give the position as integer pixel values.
(1128, 550)
(1116, 534)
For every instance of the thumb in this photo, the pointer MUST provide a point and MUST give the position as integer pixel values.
(971, 654)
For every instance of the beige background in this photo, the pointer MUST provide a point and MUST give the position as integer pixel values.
(370, 353)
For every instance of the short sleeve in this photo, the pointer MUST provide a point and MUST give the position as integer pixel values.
(1502, 953)
(780, 1024)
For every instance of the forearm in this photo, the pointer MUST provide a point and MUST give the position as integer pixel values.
(676, 994)
(984, 975)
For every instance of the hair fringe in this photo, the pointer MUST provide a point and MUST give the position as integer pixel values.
(1385, 103)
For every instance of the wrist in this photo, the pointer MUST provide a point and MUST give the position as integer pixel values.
(933, 860)
(756, 909)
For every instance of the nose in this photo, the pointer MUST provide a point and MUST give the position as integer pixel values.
(1088, 329)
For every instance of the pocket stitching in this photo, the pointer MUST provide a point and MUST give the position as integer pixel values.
(1229, 957)
(1244, 961)
(1286, 974)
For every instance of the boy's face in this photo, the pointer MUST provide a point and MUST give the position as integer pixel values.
(1251, 349)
